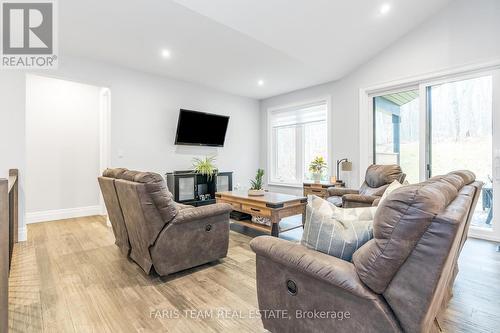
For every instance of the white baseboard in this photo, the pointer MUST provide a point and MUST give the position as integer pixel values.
(61, 214)
(22, 234)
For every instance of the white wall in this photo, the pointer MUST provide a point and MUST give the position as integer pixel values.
(465, 32)
(12, 132)
(62, 145)
(144, 111)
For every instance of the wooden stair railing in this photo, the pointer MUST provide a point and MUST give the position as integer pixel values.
(4, 255)
(8, 236)
(13, 210)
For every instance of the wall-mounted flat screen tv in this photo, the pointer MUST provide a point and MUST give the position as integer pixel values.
(196, 128)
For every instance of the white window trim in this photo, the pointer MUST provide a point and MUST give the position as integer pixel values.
(366, 121)
(270, 134)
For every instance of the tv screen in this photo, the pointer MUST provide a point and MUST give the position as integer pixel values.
(201, 129)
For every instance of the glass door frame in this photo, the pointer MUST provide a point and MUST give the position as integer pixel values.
(492, 233)
(367, 131)
(373, 130)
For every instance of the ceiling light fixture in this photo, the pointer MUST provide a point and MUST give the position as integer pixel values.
(165, 53)
(260, 82)
(385, 8)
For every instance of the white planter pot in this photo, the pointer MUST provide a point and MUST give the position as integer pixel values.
(316, 177)
(256, 192)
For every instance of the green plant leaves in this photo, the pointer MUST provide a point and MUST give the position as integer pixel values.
(257, 183)
(205, 166)
(318, 165)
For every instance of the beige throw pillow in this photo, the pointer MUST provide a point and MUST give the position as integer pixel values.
(393, 186)
(336, 231)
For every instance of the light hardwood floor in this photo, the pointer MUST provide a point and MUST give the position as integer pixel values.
(70, 277)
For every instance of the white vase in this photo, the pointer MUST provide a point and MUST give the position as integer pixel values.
(256, 192)
(317, 177)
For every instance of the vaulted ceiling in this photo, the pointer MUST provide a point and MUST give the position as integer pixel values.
(232, 44)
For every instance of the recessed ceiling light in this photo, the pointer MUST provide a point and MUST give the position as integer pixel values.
(385, 8)
(165, 53)
(260, 82)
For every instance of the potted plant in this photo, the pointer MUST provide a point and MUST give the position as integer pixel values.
(205, 166)
(256, 184)
(316, 167)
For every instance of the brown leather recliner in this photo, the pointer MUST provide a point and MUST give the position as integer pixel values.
(161, 233)
(399, 281)
(377, 179)
(115, 214)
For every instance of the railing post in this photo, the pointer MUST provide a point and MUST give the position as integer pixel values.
(13, 203)
(4, 255)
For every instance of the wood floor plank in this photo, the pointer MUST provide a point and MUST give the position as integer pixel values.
(70, 277)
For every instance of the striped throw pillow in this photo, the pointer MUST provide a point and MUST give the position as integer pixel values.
(336, 231)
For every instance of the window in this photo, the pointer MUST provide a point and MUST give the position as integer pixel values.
(396, 132)
(298, 135)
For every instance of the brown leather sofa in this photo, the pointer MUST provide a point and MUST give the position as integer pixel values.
(377, 179)
(400, 281)
(157, 232)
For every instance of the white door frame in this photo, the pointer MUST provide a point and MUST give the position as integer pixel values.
(469, 71)
(104, 138)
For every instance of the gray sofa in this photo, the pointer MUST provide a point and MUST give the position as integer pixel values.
(378, 177)
(157, 232)
(400, 281)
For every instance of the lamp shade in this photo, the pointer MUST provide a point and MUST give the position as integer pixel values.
(346, 166)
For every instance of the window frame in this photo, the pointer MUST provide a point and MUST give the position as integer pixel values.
(372, 106)
(300, 147)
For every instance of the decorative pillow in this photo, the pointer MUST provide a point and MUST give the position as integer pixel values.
(336, 231)
(393, 186)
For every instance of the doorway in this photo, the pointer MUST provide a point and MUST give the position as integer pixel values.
(67, 140)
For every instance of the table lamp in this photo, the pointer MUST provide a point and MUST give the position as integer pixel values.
(345, 165)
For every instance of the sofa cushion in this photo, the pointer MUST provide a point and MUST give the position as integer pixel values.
(467, 176)
(157, 189)
(336, 231)
(376, 192)
(380, 175)
(337, 201)
(113, 172)
(400, 221)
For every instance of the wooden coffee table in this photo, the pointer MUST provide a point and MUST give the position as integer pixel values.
(274, 206)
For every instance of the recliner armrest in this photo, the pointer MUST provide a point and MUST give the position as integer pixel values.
(358, 200)
(198, 213)
(332, 270)
(183, 206)
(339, 191)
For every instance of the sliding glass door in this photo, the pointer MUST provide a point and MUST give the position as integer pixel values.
(438, 126)
(461, 135)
